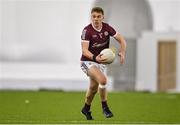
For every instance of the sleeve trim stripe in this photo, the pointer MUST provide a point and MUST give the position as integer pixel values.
(86, 41)
(115, 34)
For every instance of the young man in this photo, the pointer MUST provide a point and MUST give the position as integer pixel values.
(96, 37)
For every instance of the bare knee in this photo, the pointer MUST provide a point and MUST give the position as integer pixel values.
(102, 81)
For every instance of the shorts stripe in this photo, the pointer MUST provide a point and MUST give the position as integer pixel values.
(84, 65)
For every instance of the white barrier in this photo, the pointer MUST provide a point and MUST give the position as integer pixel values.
(35, 76)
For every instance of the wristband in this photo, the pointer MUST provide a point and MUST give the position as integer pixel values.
(94, 58)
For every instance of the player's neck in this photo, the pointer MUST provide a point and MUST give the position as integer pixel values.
(97, 28)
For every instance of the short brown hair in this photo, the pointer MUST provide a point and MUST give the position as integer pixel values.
(98, 10)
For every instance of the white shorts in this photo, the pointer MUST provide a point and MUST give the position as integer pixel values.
(86, 65)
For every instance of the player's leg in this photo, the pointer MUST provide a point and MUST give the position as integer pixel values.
(103, 93)
(89, 97)
(95, 73)
(105, 107)
(100, 78)
(92, 90)
(93, 87)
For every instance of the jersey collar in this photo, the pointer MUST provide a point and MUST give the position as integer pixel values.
(97, 29)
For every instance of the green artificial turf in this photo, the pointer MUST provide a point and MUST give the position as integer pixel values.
(56, 107)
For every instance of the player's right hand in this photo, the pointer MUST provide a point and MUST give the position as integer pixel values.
(100, 59)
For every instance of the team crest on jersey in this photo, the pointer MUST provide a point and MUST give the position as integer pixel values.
(106, 33)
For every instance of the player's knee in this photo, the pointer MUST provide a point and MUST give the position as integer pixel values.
(103, 81)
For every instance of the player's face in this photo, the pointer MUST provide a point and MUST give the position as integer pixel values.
(97, 18)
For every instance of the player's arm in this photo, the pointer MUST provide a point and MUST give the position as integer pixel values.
(85, 51)
(122, 50)
(88, 54)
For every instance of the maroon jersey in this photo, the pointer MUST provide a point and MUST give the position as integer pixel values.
(98, 40)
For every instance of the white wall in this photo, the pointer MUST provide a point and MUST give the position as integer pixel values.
(166, 14)
(9, 30)
(147, 69)
(0, 24)
(146, 73)
(0, 32)
(37, 30)
(43, 37)
(178, 64)
(166, 18)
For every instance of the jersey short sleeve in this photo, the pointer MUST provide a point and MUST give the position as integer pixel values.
(112, 31)
(85, 35)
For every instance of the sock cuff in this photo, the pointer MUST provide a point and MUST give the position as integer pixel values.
(87, 107)
(102, 86)
(104, 104)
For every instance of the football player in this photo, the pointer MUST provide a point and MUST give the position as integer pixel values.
(96, 37)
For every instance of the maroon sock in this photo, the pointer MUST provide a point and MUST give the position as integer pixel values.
(104, 104)
(86, 107)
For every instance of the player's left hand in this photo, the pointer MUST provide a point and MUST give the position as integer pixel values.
(122, 57)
